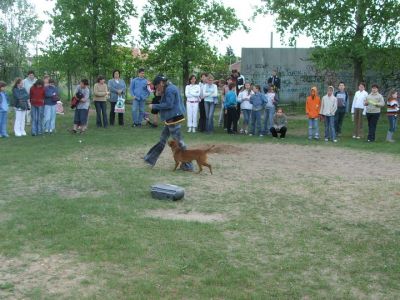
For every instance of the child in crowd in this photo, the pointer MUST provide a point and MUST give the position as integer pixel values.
(50, 102)
(3, 110)
(279, 124)
(313, 106)
(272, 101)
(245, 106)
(230, 103)
(221, 92)
(192, 93)
(81, 111)
(373, 105)
(258, 100)
(392, 112)
(342, 103)
(328, 110)
(357, 110)
(37, 96)
(21, 104)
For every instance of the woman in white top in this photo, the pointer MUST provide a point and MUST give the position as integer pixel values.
(192, 93)
(357, 110)
(210, 93)
(245, 106)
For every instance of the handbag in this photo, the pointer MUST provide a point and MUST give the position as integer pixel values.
(120, 105)
(74, 102)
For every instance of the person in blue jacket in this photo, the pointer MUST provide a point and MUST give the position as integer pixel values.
(172, 111)
(140, 92)
(4, 101)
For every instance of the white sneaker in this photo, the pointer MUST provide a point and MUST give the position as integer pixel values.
(326, 140)
(193, 130)
(241, 130)
(189, 129)
(354, 136)
(335, 141)
(23, 133)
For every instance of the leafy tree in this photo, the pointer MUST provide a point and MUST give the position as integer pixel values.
(345, 29)
(179, 31)
(19, 26)
(86, 34)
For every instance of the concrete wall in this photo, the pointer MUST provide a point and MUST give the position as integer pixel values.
(298, 74)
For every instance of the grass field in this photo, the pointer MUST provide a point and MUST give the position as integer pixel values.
(288, 219)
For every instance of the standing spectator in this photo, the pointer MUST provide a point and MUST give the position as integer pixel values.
(202, 109)
(245, 106)
(140, 93)
(275, 82)
(51, 96)
(4, 101)
(37, 96)
(28, 83)
(342, 98)
(269, 113)
(192, 92)
(238, 79)
(313, 106)
(230, 103)
(21, 98)
(392, 113)
(172, 112)
(222, 116)
(100, 93)
(210, 92)
(373, 105)
(357, 110)
(328, 110)
(258, 100)
(279, 124)
(117, 88)
(81, 112)
(221, 92)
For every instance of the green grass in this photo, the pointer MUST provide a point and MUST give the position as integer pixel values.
(81, 201)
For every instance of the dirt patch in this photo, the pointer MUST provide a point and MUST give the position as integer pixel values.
(222, 148)
(56, 275)
(173, 214)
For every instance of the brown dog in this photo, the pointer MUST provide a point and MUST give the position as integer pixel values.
(184, 156)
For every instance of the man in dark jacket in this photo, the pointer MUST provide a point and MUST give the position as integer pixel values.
(342, 103)
(172, 112)
(274, 81)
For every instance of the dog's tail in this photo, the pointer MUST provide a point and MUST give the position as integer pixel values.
(210, 148)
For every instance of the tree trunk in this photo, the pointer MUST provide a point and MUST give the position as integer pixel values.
(185, 72)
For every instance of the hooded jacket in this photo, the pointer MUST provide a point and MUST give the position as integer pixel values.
(313, 105)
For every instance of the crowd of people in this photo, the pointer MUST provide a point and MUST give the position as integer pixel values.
(245, 108)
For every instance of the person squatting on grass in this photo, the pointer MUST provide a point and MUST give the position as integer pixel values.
(342, 102)
(51, 96)
(37, 95)
(21, 98)
(358, 109)
(392, 113)
(313, 107)
(192, 93)
(230, 103)
(279, 124)
(117, 88)
(328, 110)
(258, 100)
(4, 102)
(172, 110)
(81, 112)
(140, 92)
(373, 105)
(100, 93)
(245, 106)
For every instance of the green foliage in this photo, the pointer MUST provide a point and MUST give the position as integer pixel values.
(19, 27)
(346, 30)
(179, 31)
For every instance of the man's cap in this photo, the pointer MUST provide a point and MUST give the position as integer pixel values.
(158, 79)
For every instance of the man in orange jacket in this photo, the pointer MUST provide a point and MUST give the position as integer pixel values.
(313, 106)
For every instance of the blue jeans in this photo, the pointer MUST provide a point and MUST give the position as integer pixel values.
(154, 153)
(330, 127)
(210, 107)
(313, 128)
(256, 121)
(268, 119)
(392, 123)
(3, 123)
(246, 116)
(101, 111)
(37, 119)
(49, 117)
(138, 111)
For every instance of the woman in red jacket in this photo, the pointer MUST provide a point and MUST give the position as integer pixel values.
(37, 107)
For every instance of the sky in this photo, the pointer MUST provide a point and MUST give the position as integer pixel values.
(259, 35)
